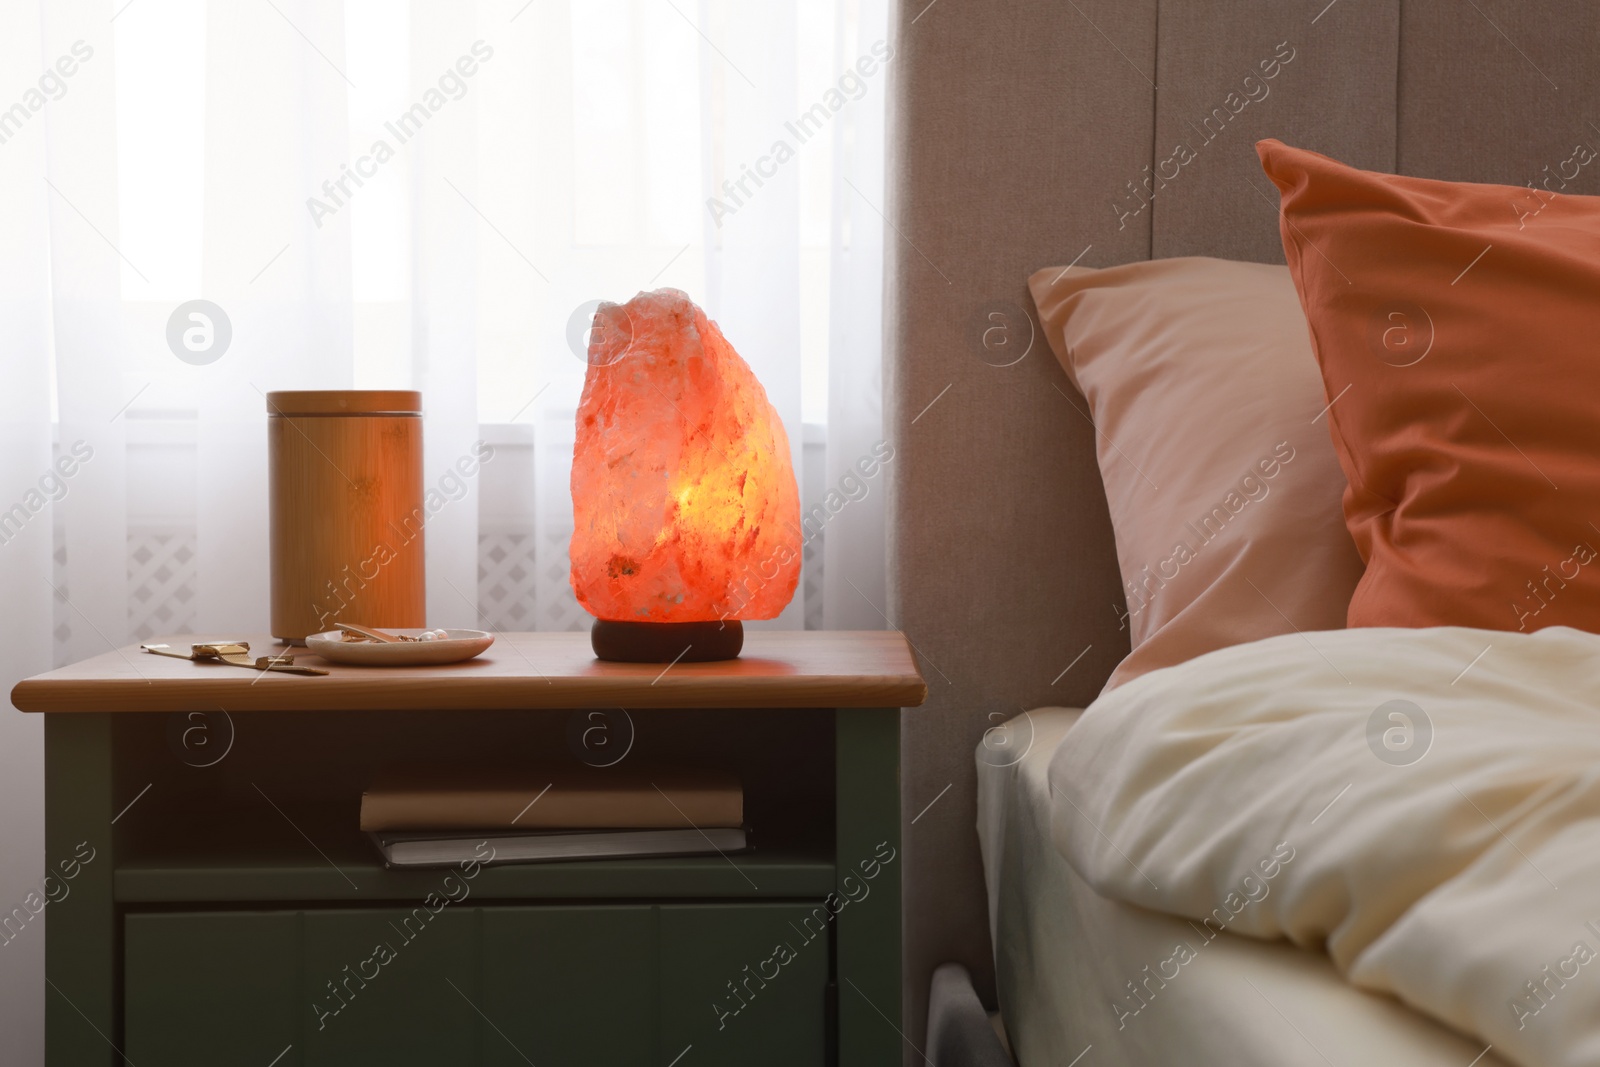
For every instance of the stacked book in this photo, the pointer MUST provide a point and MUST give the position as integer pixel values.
(430, 819)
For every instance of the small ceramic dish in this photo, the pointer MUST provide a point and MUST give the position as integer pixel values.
(455, 646)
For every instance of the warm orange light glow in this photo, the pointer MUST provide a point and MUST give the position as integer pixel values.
(683, 494)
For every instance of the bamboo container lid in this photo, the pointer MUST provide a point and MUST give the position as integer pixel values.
(302, 402)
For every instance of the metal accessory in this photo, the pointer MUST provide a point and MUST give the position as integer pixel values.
(372, 633)
(234, 654)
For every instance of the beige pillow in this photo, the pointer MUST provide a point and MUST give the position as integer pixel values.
(1214, 449)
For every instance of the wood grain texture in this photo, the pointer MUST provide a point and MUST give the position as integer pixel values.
(779, 669)
(347, 521)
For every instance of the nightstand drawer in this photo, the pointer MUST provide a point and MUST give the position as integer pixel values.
(623, 985)
(568, 985)
(211, 988)
(744, 984)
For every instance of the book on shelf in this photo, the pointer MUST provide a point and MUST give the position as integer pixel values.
(532, 800)
(435, 848)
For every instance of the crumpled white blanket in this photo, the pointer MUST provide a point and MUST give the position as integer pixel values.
(1422, 804)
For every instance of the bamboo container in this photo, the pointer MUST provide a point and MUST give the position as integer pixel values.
(345, 476)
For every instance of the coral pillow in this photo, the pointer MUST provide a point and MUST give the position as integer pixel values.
(1456, 328)
(1224, 490)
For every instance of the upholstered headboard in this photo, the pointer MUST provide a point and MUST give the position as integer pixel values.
(1021, 136)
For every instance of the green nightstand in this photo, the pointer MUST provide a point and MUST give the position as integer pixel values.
(224, 908)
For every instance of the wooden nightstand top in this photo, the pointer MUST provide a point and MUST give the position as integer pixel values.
(778, 669)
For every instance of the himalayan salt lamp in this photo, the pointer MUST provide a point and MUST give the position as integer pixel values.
(686, 516)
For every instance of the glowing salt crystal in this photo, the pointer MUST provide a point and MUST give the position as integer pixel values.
(683, 494)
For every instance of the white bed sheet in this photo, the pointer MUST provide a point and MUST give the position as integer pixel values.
(1065, 957)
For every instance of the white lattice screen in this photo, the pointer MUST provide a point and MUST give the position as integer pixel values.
(508, 579)
(161, 581)
(61, 618)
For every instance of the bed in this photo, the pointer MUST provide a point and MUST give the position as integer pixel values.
(1003, 568)
(1065, 955)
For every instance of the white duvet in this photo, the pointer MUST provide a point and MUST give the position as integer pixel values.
(1423, 804)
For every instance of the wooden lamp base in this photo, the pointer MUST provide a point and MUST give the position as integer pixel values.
(666, 642)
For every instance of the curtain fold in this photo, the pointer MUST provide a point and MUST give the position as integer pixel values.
(26, 535)
(91, 324)
(859, 458)
(752, 287)
(281, 276)
(448, 230)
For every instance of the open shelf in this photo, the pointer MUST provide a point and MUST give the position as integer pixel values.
(276, 821)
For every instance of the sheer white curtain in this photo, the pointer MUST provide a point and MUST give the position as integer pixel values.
(423, 195)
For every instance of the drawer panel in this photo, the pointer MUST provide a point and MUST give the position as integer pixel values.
(501, 986)
(389, 986)
(204, 989)
(569, 985)
(744, 984)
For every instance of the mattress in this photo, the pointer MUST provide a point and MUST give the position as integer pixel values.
(1076, 971)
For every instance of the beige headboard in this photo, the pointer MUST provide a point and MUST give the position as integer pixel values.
(1019, 132)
